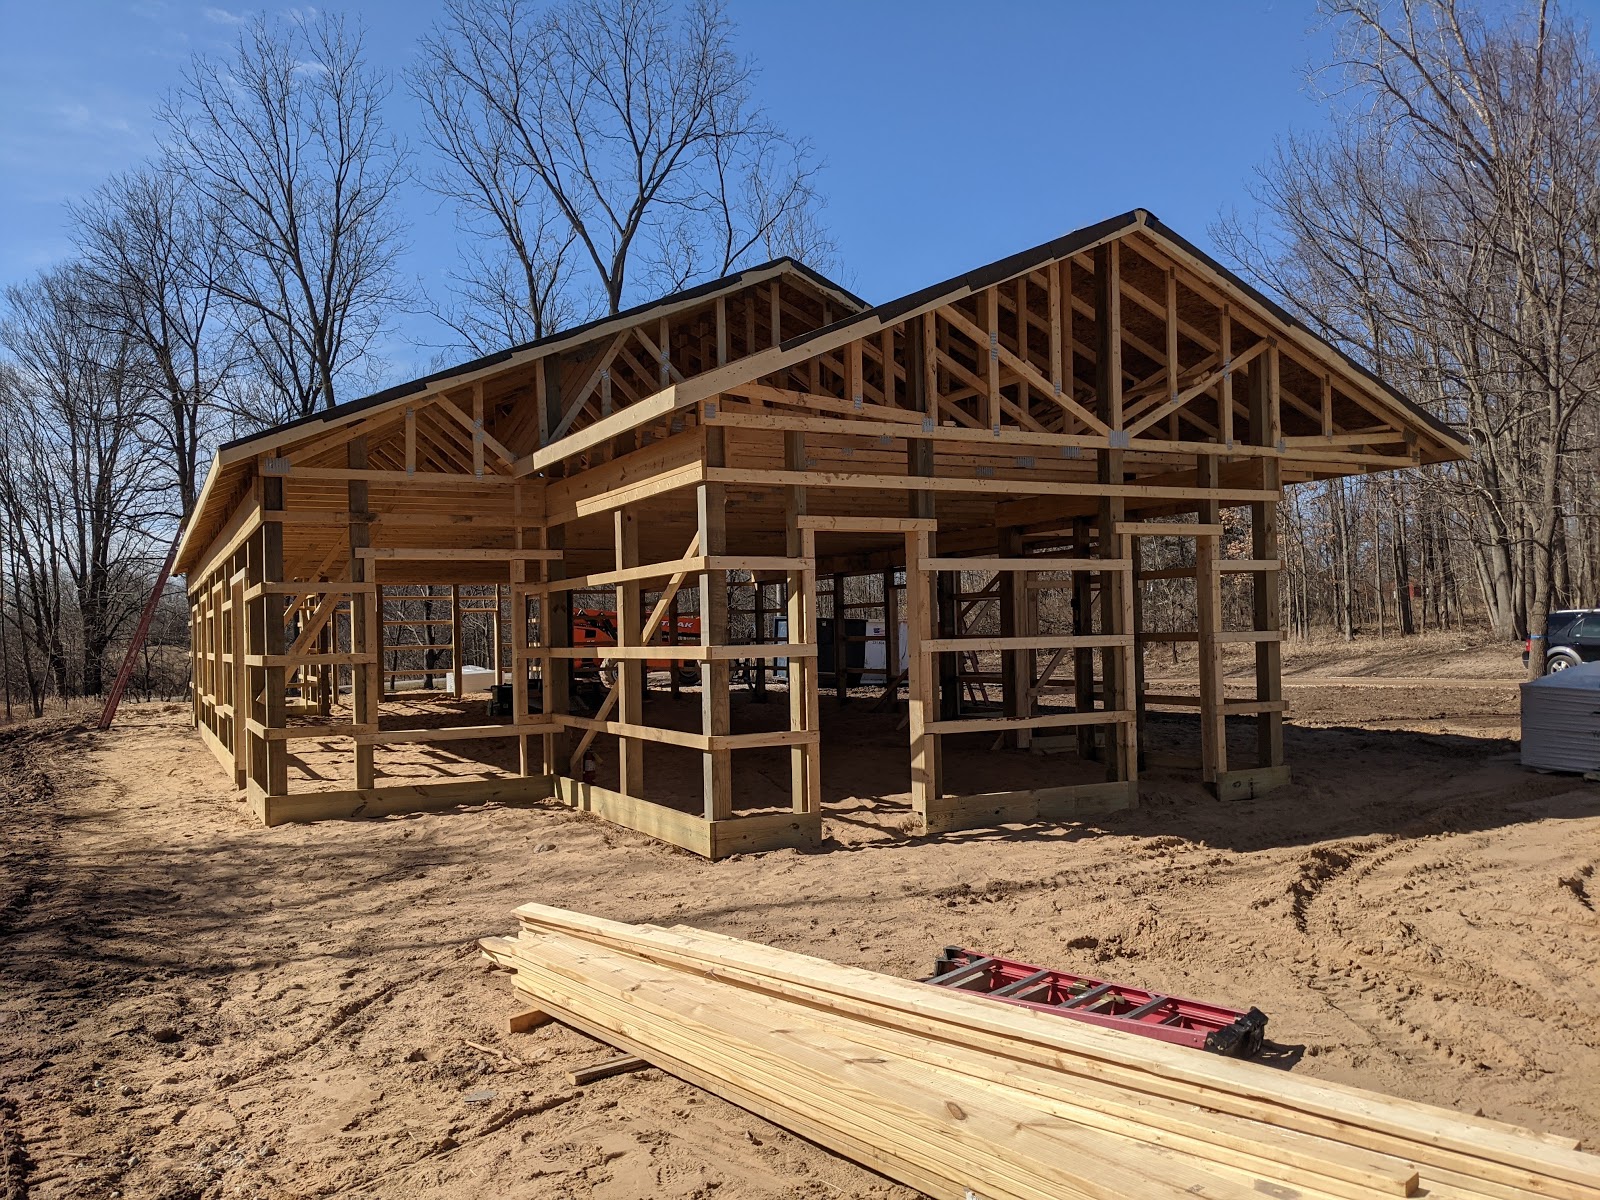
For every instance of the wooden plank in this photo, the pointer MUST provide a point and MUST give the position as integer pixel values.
(1056, 804)
(445, 733)
(867, 524)
(1247, 784)
(1362, 1120)
(456, 554)
(623, 1065)
(387, 801)
(777, 1111)
(978, 485)
(1310, 1166)
(528, 1018)
(688, 830)
(1039, 563)
(1094, 641)
(1045, 721)
(974, 1132)
(1176, 528)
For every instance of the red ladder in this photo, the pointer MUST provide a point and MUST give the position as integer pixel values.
(114, 697)
(1098, 1002)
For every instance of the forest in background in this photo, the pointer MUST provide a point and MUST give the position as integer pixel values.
(1442, 229)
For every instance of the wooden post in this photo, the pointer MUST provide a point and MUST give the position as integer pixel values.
(805, 762)
(1016, 666)
(494, 638)
(366, 631)
(1208, 608)
(238, 683)
(921, 703)
(555, 630)
(457, 678)
(1135, 548)
(275, 776)
(630, 671)
(1082, 625)
(946, 671)
(891, 637)
(841, 693)
(1116, 600)
(760, 617)
(672, 639)
(517, 593)
(1264, 431)
(711, 511)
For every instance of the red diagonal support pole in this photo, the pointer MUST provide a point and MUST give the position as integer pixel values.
(114, 698)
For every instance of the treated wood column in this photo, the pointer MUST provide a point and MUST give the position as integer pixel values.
(922, 380)
(274, 704)
(841, 649)
(1116, 600)
(238, 680)
(805, 762)
(759, 616)
(630, 671)
(456, 677)
(891, 637)
(947, 667)
(711, 511)
(555, 630)
(1208, 608)
(1016, 671)
(1265, 430)
(1082, 626)
(365, 627)
(921, 702)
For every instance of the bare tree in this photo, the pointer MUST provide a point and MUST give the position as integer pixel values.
(636, 127)
(286, 141)
(152, 255)
(1446, 231)
(76, 500)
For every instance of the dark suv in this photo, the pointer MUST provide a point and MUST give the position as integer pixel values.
(1572, 636)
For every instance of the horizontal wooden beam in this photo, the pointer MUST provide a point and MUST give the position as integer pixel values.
(823, 524)
(460, 554)
(1170, 528)
(1066, 641)
(1027, 564)
(986, 485)
(693, 565)
(1047, 721)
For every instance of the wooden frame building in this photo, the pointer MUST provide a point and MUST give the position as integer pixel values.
(1030, 425)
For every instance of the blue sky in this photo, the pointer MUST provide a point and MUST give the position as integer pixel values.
(954, 132)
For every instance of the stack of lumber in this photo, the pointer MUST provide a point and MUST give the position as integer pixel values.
(953, 1094)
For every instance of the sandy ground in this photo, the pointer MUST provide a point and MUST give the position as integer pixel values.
(193, 1007)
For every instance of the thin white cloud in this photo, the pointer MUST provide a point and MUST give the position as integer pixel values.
(80, 118)
(222, 16)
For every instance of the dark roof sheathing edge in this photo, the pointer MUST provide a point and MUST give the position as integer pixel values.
(626, 317)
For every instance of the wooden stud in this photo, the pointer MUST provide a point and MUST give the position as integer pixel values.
(624, 1065)
(1208, 605)
(1116, 598)
(1264, 546)
(715, 719)
(920, 703)
(530, 1018)
(630, 672)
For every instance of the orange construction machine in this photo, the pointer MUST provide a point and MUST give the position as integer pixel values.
(598, 627)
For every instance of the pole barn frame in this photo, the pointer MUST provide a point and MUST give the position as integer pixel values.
(1030, 423)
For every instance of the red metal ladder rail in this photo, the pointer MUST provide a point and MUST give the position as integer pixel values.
(114, 697)
(1240, 1033)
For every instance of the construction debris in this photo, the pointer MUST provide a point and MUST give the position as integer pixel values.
(957, 1096)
